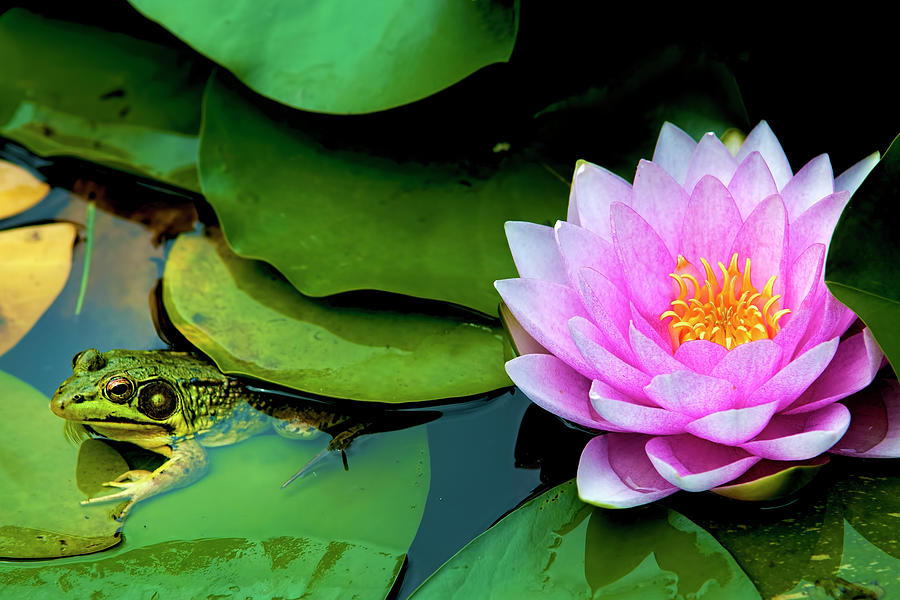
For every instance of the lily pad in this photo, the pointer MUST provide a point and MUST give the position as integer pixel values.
(555, 546)
(334, 220)
(74, 90)
(862, 269)
(41, 516)
(323, 535)
(34, 266)
(251, 322)
(19, 189)
(342, 58)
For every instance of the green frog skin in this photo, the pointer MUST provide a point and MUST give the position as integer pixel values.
(175, 404)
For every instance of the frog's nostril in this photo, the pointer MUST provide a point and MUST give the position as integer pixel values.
(77, 398)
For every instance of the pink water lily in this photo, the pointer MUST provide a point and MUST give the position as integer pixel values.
(686, 314)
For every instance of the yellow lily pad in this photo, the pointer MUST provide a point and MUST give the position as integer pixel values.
(19, 189)
(34, 267)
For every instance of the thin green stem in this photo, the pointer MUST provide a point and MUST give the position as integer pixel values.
(88, 248)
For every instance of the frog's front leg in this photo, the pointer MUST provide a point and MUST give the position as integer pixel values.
(186, 464)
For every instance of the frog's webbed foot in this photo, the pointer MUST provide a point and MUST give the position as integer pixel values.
(187, 464)
(134, 486)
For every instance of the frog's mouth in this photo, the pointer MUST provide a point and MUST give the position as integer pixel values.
(125, 423)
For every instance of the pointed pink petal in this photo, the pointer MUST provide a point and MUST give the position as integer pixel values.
(798, 437)
(752, 183)
(626, 415)
(661, 202)
(794, 327)
(554, 386)
(594, 189)
(710, 224)
(762, 239)
(700, 355)
(817, 223)
(710, 158)
(646, 263)
(607, 366)
(655, 330)
(600, 485)
(787, 385)
(697, 465)
(748, 366)
(691, 394)
(853, 367)
(735, 426)
(805, 276)
(609, 309)
(543, 309)
(875, 422)
(836, 319)
(650, 358)
(811, 183)
(582, 248)
(762, 140)
(673, 152)
(522, 341)
(852, 178)
(534, 251)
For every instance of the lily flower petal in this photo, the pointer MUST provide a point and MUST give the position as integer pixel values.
(599, 484)
(697, 465)
(798, 437)
(555, 386)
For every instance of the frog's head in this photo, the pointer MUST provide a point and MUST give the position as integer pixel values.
(142, 397)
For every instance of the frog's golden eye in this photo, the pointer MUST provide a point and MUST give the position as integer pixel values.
(119, 389)
(157, 400)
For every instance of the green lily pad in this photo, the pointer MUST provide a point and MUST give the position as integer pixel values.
(41, 516)
(75, 90)
(251, 322)
(334, 220)
(862, 269)
(242, 536)
(555, 546)
(339, 58)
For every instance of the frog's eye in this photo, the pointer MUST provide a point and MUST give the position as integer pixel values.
(119, 389)
(157, 400)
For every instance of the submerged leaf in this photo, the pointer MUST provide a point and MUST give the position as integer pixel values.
(19, 189)
(334, 220)
(251, 322)
(556, 546)
(41, 516)
(338, 58)
(34, 266)
(69, 89)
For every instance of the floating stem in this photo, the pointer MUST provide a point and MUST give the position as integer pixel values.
(88, 249)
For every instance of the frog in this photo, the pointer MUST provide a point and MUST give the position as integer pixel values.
(177, 404)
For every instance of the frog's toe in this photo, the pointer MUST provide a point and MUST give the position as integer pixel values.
(123, 495)
(129, 476)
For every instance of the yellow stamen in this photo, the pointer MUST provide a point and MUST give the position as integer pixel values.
(729, 313)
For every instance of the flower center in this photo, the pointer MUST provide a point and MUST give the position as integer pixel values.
(729, 313)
